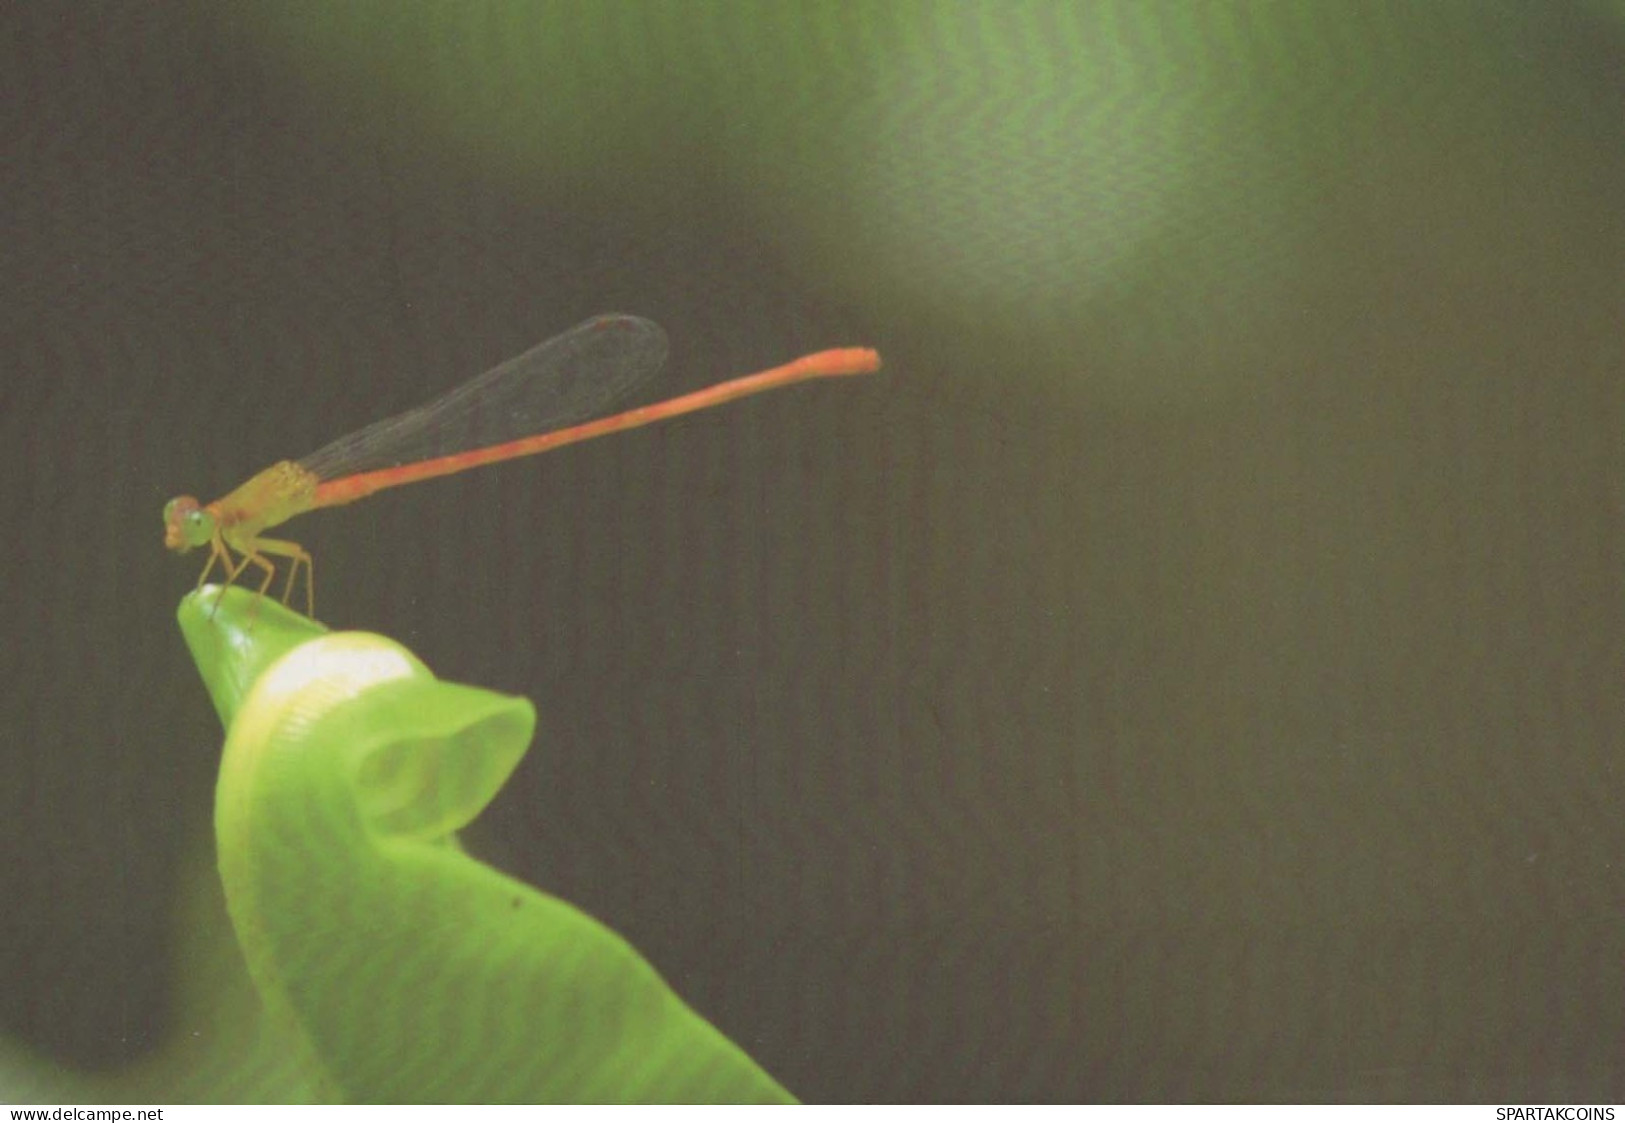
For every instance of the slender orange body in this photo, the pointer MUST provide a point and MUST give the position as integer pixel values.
(237, 521)
(823, 364)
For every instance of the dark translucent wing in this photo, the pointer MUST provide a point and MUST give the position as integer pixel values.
(568, 379)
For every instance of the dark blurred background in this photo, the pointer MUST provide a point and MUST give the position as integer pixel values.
(1193, 671)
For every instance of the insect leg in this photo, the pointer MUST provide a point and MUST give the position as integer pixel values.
(297, 556)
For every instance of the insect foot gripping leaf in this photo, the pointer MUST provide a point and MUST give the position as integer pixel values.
(413, 972)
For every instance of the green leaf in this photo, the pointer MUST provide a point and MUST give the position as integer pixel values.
(407, 970)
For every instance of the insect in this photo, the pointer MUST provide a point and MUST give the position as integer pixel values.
(536, 401)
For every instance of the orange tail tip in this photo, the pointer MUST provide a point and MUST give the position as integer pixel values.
(842, 360)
